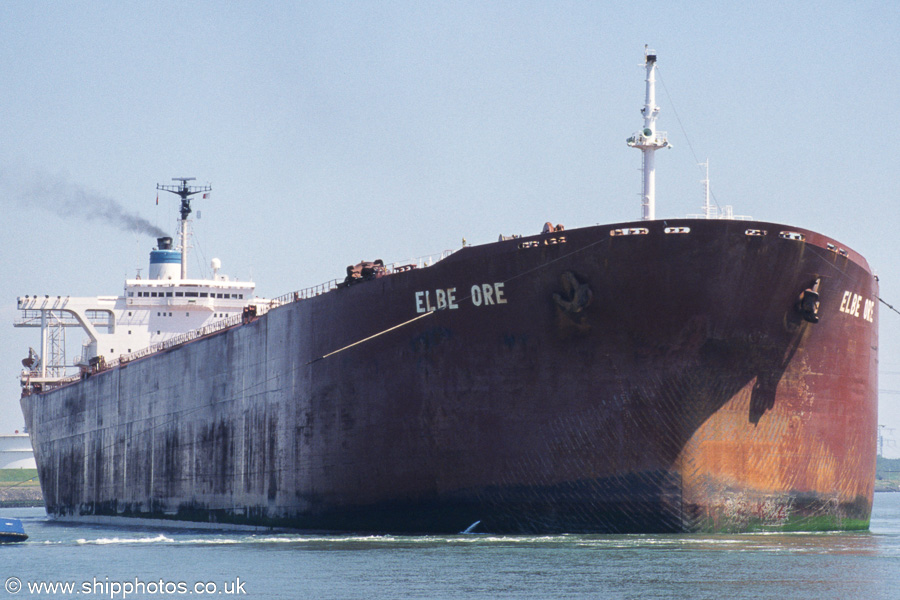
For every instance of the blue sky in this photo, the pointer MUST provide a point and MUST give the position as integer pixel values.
(333, 132)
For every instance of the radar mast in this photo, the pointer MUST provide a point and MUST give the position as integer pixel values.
(184, 191)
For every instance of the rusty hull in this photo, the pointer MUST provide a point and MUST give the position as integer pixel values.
(657, 381)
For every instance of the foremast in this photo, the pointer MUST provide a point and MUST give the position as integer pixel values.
(648, 139)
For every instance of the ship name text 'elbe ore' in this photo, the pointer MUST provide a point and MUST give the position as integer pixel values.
(851, 303)
(482, 294)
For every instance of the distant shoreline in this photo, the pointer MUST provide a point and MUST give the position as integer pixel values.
(20, 497)
(887, 474)
(19, 488)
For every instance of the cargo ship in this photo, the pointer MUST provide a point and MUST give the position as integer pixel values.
(680, 375)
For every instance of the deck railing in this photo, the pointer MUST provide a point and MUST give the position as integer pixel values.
(262, 307)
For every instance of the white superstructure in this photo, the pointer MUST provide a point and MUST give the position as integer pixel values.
(149, 313)
(648, 139)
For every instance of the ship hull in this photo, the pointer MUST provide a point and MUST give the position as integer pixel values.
(628, 378)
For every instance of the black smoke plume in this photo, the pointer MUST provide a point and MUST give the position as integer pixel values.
(56, 194)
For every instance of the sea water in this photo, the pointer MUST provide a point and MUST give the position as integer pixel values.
(93, 562)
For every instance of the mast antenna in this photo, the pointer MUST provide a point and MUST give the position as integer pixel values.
(708, 211)
(648, 139)
(184, 191)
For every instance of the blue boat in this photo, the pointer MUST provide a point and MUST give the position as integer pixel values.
(11, 530)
